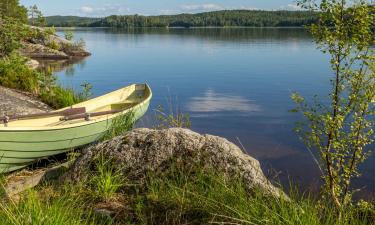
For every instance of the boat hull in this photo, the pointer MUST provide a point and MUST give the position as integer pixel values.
(20, 148)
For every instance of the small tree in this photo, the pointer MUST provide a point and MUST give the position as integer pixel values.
(342, 130)
(69, 35)
(36, 16)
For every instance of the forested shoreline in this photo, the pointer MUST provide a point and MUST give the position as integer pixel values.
(225, 18)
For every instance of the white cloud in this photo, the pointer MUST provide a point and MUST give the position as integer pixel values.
(207, 7)
(247, 8)
(216, 102)
(292, 7)
(201, 7)
(104, 10)
(169, 11)
(86, 9)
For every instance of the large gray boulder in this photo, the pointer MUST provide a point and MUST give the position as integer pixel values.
(143, 150)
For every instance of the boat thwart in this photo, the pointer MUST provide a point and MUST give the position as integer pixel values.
(26, 139)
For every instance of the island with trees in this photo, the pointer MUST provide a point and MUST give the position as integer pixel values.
(225, 18)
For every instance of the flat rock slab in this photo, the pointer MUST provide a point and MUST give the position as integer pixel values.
(38, 51)
(19, 182)
(21, 103)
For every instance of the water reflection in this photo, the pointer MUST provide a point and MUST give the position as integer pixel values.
(68, 66)
(232, 35)
(215, 102)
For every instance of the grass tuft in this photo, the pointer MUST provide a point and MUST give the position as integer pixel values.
(32, 209)
(174, 118)
(106, 181)
(120, 125)
(60, 97)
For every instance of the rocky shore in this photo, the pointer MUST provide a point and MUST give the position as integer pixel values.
(46, 47)
(18, 102)
(52, 47)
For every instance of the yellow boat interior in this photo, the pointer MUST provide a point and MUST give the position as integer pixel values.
(100, 108)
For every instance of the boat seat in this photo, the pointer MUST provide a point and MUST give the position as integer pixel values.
(123, 105)
(117, 106)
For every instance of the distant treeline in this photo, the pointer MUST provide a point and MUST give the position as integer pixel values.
(70, 21)
(226, 18)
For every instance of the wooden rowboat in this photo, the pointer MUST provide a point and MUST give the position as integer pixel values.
(26, 139)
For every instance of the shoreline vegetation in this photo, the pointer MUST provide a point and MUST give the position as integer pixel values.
(179, 189)
(184, 192)
(177, 27)
(22, 45)
(225, 18)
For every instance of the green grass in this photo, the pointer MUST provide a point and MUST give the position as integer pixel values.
(106, 181)
(120, 125)
(173, 118)
(196, 196)
(180, 195)
(32, 209)
(60, 97)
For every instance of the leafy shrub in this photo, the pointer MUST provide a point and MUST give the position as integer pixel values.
(60, 97)
(53, 45)
(15, 74)
(11, 33)
(49, 30)
(13, 9)
(69, 35)
(80, 43)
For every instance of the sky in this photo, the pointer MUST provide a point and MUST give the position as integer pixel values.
(100, 8)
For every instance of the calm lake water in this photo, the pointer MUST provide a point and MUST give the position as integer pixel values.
(234, 83)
